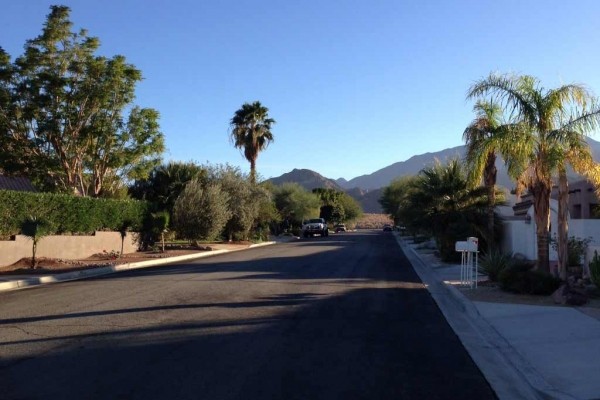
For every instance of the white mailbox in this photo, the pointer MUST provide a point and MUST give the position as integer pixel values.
(468, 265)
(474, 243)
(468, 246)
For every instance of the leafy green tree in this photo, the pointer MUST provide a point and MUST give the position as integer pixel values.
(244, 199)
(62, 119)
(268, 218)
(35, 228)
(337, 206)
(166, 182)
(351, 209)
(250, 130)
(396, 201)
(543, 116)
(201, 211)
(295, 203)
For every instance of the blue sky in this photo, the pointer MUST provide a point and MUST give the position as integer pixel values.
(353, 85)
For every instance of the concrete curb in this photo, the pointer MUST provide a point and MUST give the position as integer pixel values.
(490, 350)
(93, 272)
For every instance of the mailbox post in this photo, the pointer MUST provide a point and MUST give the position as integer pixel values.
(468, 263)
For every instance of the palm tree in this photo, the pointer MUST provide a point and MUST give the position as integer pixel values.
(444, 204)
(484, 137)
(35, 228)
(541, 113)
(576, 153)
(251, 131)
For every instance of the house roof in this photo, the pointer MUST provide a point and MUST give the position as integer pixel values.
(16, 183)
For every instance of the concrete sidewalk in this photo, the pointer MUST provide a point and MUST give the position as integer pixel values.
(554, 352)
(14, 282)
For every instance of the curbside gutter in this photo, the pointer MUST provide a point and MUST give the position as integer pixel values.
(510, 375)
(93, 272)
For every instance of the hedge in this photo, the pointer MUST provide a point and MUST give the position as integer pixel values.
(69, 214)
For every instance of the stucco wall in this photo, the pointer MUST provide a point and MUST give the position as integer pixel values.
(66, 247)
(520, 236)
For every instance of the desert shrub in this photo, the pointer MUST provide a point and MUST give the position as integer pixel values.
(521, 278)
(541, 283)
(595, 269)
(200, 213)
(495, 262)
(576, 249)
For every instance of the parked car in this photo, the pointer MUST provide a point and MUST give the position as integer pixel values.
(387, 228)
(339, 228)
(315, 226)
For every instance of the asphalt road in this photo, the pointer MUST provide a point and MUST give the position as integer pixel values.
(342, 317)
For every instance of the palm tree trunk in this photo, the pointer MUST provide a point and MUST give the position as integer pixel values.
(490, 183)
(541, 207)
(253, 171)
(563, 224)
(490, 218)
(33, 253)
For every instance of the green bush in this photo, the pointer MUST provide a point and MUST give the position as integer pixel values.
(520, 278)
(595, 269)
(576, 249)
(67, 213)
(495, 262)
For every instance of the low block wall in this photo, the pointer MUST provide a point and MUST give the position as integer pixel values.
(66, 247)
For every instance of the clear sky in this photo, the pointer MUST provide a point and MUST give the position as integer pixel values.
(353, 85)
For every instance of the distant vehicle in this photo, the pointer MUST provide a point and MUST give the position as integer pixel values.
(315, 226)
(387, 228)
(339, 228)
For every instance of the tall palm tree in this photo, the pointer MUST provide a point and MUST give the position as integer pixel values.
(541, 113)
(251, 132)
(575, 152)
(485, 137)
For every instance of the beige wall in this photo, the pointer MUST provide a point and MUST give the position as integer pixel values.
(65, 247)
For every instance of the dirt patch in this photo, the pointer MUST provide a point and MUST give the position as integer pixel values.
(56, 265)
(491, 292)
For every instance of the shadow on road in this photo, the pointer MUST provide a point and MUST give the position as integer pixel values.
(386, 340)
(344, 347)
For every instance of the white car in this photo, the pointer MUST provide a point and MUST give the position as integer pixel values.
(315, 226)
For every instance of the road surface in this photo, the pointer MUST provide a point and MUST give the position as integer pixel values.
(341, 317)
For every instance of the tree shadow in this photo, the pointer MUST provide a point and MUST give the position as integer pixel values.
(377, 343)
(329, 260)
(377, 335)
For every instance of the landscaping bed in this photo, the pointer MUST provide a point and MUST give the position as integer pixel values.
(55, 265)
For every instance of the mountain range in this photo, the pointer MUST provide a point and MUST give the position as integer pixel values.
(366, 189)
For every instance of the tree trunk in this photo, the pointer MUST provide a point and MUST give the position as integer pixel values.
(253, 171)
(97, 185)
(490, 183)
(563, 224)
(541, 207)
(33, 254)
